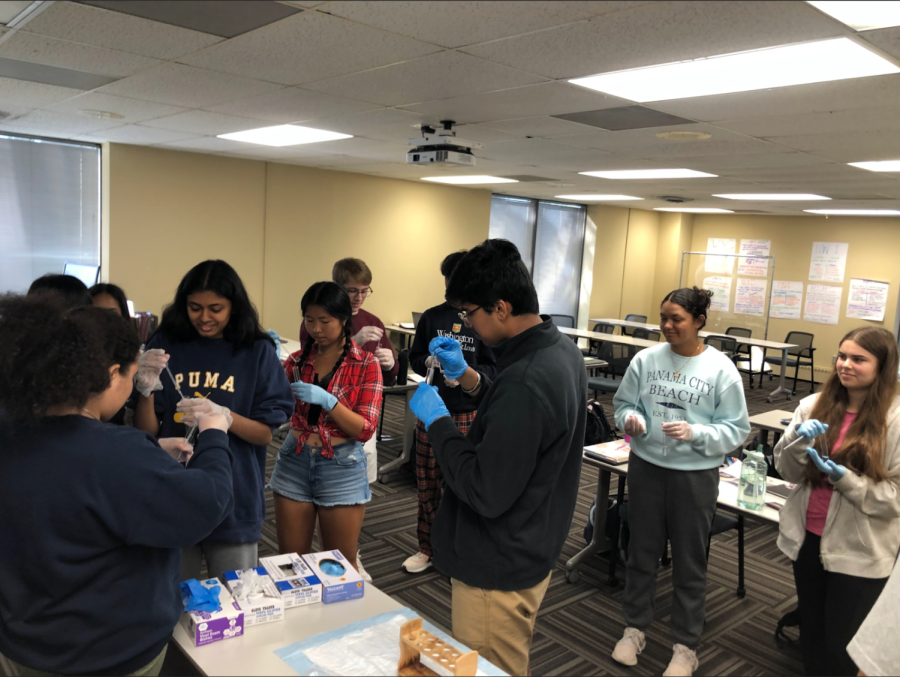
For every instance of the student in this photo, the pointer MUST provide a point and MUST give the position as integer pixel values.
(683, 405)
(875, 648)
(841, 524)
(511, 483)
(109, 296)
(71, 291)
(442, 320)
(321, 468)
(223, 362)
(94, 515)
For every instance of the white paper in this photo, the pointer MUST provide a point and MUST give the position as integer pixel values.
(720, 264)
(750, 298)
(787, 300)
(721, 288)
(755, 267)
(823, 303)
(867, 299)
(828, 261)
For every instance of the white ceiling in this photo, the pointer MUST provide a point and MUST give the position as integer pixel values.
(500, 69)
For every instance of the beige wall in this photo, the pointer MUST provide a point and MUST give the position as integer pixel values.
(611, 224)
(640, 264)
(675, 231)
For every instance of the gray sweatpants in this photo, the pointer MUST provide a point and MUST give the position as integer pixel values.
(220, 557)
(678, 505)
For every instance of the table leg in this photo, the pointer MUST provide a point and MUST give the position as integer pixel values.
(599, 543)
(781, 388)
(409, 426)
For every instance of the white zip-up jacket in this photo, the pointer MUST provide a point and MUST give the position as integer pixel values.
(862, 529)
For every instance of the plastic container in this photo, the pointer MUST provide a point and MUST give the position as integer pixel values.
(752, 486)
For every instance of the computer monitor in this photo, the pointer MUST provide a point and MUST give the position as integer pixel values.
(87, 273)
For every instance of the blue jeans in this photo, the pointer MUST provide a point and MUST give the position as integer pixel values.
(309, 478)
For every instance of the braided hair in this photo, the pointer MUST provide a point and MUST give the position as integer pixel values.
(332, 298)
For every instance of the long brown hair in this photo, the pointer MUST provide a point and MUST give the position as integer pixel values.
(863, 447)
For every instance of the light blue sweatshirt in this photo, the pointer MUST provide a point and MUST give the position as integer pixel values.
(708, 394)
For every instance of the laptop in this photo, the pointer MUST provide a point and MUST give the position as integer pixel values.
(416, 318)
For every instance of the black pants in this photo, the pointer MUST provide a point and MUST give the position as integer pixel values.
(832, 607)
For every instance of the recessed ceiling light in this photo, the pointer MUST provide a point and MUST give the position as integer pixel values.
(879, 166)
(284, 135)
(463, 180)
(862, 15)
(649, 174)
(854, 212)
(822, 61)
(772, 196)
(694, 210)
(598, 198)
(101, 114)
(683, 136)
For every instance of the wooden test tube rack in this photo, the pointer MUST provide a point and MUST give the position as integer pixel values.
(416, 643)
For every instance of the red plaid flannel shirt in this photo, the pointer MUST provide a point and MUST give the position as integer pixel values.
(356, 384)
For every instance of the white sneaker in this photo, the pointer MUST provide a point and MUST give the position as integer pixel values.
(628, 648)
(684, 662)
(417, 563)
(361, 569)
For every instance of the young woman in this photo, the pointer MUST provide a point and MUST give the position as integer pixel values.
(321, 469)
(222, 361)
(841, 525)
(95, 515)
(683, 405)
(104, 295)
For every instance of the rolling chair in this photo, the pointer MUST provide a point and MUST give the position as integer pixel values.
(726, 346)
(801, 356)
(742, 351)
(631, 317)
(599, 328)
(563, 321)
(403, 368)
(647, 334)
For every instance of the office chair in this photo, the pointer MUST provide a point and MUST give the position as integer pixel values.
(563, 321)
(599, 328)
(631, 317)
(402, 372)
(802, 357)
(742, 351)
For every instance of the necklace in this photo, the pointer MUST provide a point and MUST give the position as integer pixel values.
(90, 415)
(677, 370)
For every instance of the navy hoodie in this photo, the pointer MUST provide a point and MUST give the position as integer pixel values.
(251, 383)
(94, 519)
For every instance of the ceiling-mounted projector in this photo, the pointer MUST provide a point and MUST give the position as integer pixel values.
(441, 147)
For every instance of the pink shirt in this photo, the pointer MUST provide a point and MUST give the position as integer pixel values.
(820, 498)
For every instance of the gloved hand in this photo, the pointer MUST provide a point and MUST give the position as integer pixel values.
(307, 392)
(385, 357)
(448, 352)
(427, 405)
(368, 334)
(150, 366)
(177, 447)
(678, 430)
(196, 409)
(834, 471)
(635, 426)
(811, 428)
(276, 339)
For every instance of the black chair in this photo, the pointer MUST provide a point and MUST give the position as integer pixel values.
(599, 328)
(647, 334)
(742, 351)
(563, 321)
(725, 345)
(402, 370)
(631, 317)
(801, 356)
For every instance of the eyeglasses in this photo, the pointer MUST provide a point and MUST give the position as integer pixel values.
(464, 314)
(359, 292)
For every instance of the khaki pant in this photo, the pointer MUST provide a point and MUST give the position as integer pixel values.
(498, 624)
(150, 670)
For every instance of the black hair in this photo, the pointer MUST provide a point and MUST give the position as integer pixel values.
(333, 298)
(72, 291)
(694, 300)
(492, 271)
(450, 262)
(116, 292)
(54, 356)
(243, 328)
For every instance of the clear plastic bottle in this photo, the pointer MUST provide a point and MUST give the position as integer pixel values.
(752, 487)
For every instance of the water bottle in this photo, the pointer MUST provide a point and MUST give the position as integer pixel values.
(752, 487)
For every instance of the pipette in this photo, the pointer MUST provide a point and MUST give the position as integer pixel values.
(174, 382)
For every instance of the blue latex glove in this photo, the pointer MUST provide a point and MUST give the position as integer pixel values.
(331, 568)
(276, 339)
(834, 471)
(448, 352)
(811, 428)
(307, 392)
(197, 597)
(427, 405)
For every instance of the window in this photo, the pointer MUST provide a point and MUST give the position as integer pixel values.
(550, 237)
(49, 208)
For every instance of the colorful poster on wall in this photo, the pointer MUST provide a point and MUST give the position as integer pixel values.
(721, 288)
(828, 261)
(823, 303)
(867, 299)
(720, 264)
(750, 298)
(752, 265)
(787, 299)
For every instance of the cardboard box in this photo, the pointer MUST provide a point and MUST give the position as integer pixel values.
(205, 627)
(258, 609)
(294, 579)
(349, 585)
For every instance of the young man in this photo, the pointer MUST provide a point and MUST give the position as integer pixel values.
(442, 320)
(511, 482)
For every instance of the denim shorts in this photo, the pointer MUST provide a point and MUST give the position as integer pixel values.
(310, 478)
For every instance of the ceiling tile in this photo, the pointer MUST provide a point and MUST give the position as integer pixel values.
(657, 33)
(138, 134)
(207, 144)
(437, 76)
(832, 122)
(541, 125)
(625, 117)
(455, 24)
(732, 164)
(848, 147)
(481, 134)
(885, 39)
(72, 55)
(307, 47)
(51, 75)
(293, 105)
(133, 110)
(112, 30)
(46, 123)
(22, 94)
(180, 85)
(203, 122)
(546, 153)
(388, 124)
(364, 148)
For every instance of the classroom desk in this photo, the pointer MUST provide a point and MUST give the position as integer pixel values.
(770, 421)
(609, 338)
(407, 333)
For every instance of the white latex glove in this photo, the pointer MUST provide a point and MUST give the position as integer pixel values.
(177, 447)
(635, 426)
(385, 357)
(678, 430)
(197, 409)
(368, 334)
(150, 366)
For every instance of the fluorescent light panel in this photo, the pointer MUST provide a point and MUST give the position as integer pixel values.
(649, 174)
(598, 198)
(862, 15)
(854, 212)
(284, 135)
(821, 61)
(772, 196)
(694, 210)
(880, 166)
(464, 180)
